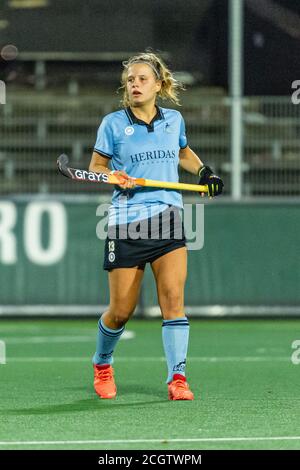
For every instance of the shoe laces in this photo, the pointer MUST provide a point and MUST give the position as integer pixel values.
(105, 374)
(181, 384)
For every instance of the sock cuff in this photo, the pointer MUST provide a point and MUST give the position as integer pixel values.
(109, 331)
(183, 321)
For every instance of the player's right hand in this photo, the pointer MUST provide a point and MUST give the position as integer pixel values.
(126, 181)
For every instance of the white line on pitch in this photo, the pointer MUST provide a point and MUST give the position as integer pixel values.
(60, 339)
(153, 359)
(162, 440)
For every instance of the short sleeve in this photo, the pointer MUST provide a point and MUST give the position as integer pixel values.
(182, 135)
(104, 142)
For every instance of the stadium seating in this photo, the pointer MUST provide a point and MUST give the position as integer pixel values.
(36, 128)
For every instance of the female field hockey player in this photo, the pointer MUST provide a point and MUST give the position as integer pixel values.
(147, 141)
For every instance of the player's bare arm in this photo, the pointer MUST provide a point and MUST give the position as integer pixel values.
(100, 164)
(189, 161)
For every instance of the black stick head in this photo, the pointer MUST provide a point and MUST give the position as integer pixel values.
(62, 164)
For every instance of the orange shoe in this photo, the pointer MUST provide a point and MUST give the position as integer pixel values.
(104, 382)
(178, 389)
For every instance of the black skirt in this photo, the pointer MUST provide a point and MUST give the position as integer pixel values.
(142, 242)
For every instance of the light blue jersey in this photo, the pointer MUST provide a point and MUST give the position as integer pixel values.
(144, 151)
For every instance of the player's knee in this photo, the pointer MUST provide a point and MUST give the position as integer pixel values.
(121, 314)
(171, 301)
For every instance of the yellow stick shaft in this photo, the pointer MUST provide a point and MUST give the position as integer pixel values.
(169, 185)
(114, 179)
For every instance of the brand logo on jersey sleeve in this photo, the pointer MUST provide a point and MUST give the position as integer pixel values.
(169, 129)
(129, 130)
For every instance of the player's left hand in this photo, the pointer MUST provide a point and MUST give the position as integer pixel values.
(213, 182)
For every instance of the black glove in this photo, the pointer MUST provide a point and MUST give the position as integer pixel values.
(214, 182)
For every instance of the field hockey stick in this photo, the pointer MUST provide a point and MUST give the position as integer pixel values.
(92, 177)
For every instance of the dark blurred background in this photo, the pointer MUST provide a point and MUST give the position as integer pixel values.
(192, 34)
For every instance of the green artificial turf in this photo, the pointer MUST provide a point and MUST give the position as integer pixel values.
(240, 371)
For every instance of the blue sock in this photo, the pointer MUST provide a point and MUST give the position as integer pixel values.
(106, 342)
(175, 335)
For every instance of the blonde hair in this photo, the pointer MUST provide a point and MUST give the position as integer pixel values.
(170, 87)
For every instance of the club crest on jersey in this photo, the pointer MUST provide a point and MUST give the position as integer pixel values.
(129, 130)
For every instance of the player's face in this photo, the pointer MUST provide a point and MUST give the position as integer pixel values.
(142, 85)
